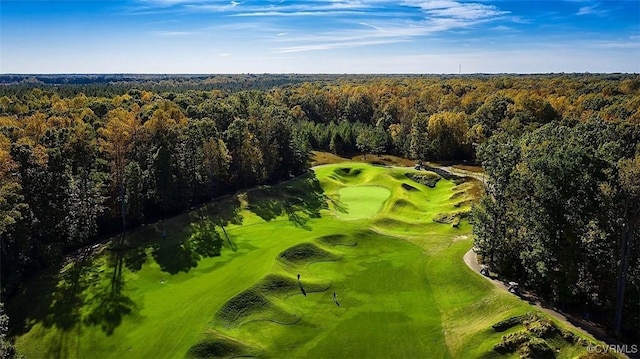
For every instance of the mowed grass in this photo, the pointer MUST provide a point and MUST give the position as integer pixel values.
(361, 201)
(353, 261)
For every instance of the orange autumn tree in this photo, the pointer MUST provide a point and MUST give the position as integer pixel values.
(116, 141)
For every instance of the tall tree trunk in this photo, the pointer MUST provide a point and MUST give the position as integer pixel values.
(632, 212)
(226, 235)
(123, 207)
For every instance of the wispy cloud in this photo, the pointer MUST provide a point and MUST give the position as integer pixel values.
(289, 13)
(456, 9)
(349, 23)
(166, 3)
(430, 17)
(594, 9)
(371, 26)
(501, 28)
(336, 45)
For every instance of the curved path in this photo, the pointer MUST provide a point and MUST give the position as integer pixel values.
(581, 325)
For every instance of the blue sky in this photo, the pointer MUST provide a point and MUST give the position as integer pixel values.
(319, 36)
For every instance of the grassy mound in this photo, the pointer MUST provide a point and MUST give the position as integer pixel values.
(280, 284)
(404, 204)
(243, 305)
(337, 240)
(428, 179)
(274, 283)
(250, 306)
(219, 347)
(458, 195)
(306, 253)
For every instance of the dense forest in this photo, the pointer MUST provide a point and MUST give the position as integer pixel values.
(83, 158)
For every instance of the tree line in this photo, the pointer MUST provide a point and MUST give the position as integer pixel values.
(76, 168)
(562, 215)
(79, 161)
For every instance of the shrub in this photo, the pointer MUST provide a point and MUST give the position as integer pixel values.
(535, 348)
(540, 327)
(508, 323)
(510, 343)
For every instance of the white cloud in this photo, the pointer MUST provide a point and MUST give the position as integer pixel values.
(436, 16)
(592, 10)
(375, 21)
(335, 45)
(371, 26)
(501, 28)
(290, 13)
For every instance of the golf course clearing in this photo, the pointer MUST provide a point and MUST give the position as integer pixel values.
(349, 260)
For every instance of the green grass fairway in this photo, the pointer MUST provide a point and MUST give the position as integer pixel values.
(361, 201)
(387, 242)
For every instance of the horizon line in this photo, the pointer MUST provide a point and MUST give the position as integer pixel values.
(308, 73)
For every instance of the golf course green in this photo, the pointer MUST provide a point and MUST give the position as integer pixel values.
(347, 261)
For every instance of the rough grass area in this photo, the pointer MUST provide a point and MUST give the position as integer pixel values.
(324, 158)
(541, 338)
(294, 279)
(474, 169)
(452, 218)
(428, 179)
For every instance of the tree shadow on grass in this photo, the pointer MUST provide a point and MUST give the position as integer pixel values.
(204, 238)
(337, 205)
(299, 201)
(81, 292)
(69, 295)
(86, 292)
(108, 304)
(224, 213)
